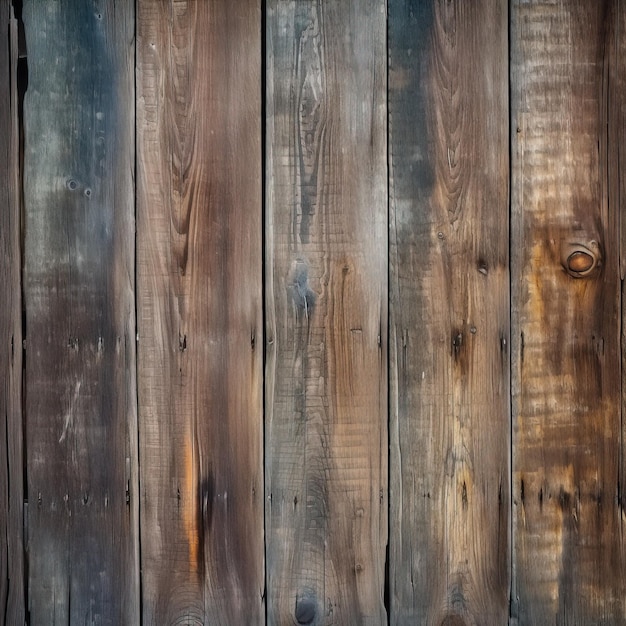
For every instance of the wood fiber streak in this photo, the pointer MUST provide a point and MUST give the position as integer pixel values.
(12, 599)
(326, 252)
(567, 118)
(200, 311)
(80, 392)
(449, 322)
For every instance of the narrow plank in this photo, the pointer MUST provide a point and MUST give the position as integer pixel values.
(567, 117)
(326, 303)
(12, 596)
(449, 315)
(80, 392)
(200, 311)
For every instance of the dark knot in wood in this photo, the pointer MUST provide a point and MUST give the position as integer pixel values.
(580, 259)
(305, 610)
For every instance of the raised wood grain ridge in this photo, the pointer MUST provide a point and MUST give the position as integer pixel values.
(200, 311)
(567, 118)
(449, 299)
(326, 302)
(80, 392)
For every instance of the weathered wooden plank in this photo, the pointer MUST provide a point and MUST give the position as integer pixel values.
(326, 244)
(80, 393)
(12, 596)
(567, 117)
(200, 311)
(449, 355)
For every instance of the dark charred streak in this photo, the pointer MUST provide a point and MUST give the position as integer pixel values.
(295, 502)
(464, 495)
(564, 500)
(597, 498)
(540, 498)
(405, 341)
(522, 494)
(253, 340)
(206, 497)
(521, 348)
(457, 343)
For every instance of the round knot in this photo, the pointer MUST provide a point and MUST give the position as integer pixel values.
(580, 259)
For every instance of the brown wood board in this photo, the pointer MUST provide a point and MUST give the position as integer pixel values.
(567, 110)
(200, 311)
(80, 392)
(449, 305)
(12, 589)
(326, 308)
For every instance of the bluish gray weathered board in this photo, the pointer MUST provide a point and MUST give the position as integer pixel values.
(80, 391)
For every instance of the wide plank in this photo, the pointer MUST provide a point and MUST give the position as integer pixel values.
(12, 588)
(326, 312)
(80, 392)
(449, 312)
(567, 119)
(200, 311)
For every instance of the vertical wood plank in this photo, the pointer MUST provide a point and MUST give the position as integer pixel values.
(326, 253)
(200, 311)
(12, 597)
(567, 118)
(80, 393)
(449, 273)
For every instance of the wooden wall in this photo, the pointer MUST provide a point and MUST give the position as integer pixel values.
(312, 312)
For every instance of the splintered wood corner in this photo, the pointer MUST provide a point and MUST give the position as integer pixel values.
(312, 312)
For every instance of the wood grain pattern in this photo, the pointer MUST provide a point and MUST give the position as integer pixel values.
(326, 378)
(200, 311)
(449, 344)
(12, 591)
(80, 392)
(567, 117)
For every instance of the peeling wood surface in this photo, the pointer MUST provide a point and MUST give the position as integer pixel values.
(567, 118)
(12, 590)
(80, 392)
(200, 311)
(449, 358)
(326, 302)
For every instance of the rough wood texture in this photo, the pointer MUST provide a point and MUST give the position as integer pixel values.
(80, 392)
(567, 117)
(449, 359)
(12, 597)
(200, 311)
(326, 242)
